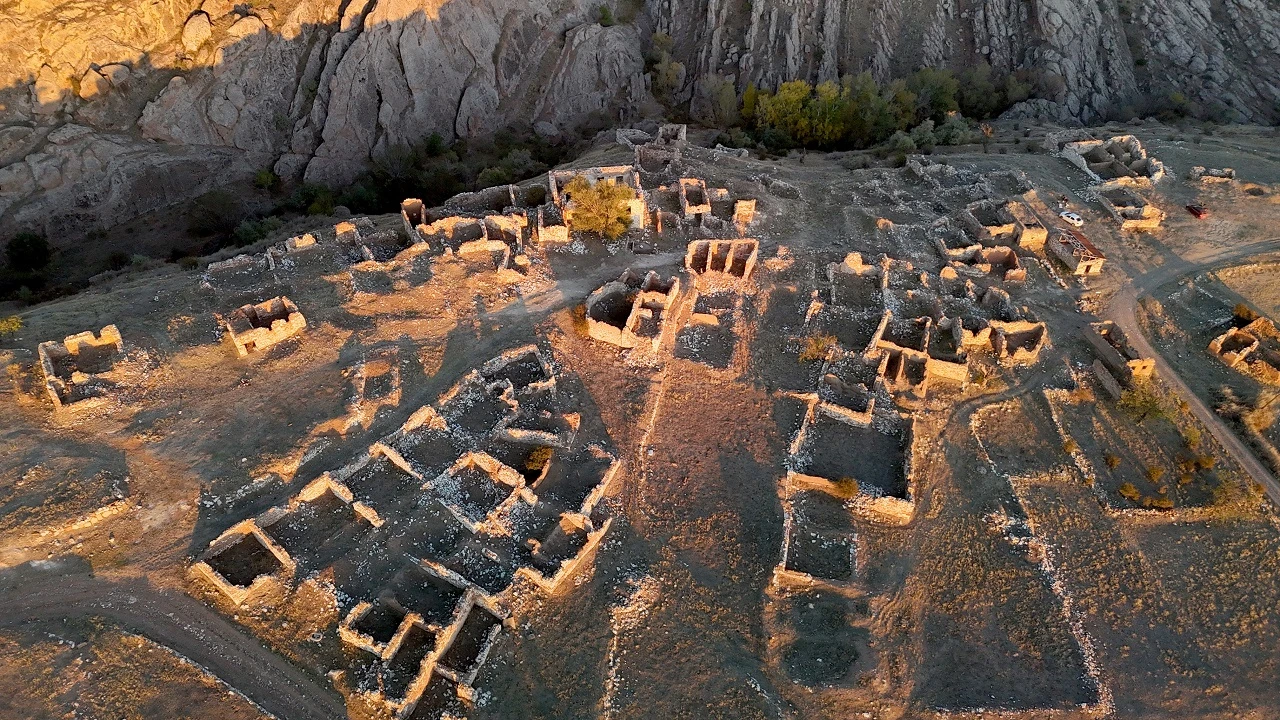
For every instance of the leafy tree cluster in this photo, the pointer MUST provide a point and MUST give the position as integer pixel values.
(918, 112)
(856, 112)
(603, 208)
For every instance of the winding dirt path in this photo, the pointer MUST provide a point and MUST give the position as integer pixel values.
(1122, 310)
(54, 591)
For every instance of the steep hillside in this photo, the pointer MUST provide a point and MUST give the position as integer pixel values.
(111, 110)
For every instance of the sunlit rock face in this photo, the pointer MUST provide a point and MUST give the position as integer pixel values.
(317, 89)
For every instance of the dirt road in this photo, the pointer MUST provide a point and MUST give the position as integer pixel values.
(55, 591)
(1122, 311)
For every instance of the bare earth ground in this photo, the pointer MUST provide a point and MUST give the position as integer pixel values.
(1024, 583)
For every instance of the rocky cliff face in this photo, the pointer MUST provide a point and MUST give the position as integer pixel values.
(1107, 54)
(110, 110)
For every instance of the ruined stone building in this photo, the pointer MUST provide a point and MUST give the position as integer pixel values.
(490, 491)
(252, 328)
(80, 368)
(1120, 160)
(624, 175)
(1129, 209)
(1119, 357)
(1076, 252)
(631, 311)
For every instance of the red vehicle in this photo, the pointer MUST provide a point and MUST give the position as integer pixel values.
(1201, 212)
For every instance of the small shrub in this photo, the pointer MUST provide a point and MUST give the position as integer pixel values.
(923, 136)
(1244, 314)
(1070, 447)
(538, 459)
(492, 176)
(117, 260)
(189, 262)
(322, 205)
(1143, 402)
(1162, 503)
(902, 143)
(1192, 437)
(1185, 479)
(955, 131)
(1154, 473)
(605, 16)
(1206, 462)
(251, 231)
(1130, 492)
(10, 325)
(28, 252)
(521, 163)
(816, 347)
(1112, 460)
(264, 179)
(847, 488)
(360, 198)
(434, 145)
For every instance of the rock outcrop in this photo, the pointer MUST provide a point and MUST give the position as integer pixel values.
(317, 89)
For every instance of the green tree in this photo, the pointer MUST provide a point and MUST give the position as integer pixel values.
(902, 143)
(935, 92)
(923, 136)
(786, 110)
(265, 179)
(492, 176)
(749, 98)
(603, 208)
(901, 107)
(1016, 88)
(868, 118)
(978, 96)
(721, 101)
(605, 16)
(825, 112)
(955, 131)
(28, 252)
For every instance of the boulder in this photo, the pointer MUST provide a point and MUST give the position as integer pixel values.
(197, 31)
(49, 93)
(93, 85)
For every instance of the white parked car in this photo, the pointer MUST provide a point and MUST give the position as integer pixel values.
(1072, 218)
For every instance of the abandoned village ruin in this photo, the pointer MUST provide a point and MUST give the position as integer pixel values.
(801, 439)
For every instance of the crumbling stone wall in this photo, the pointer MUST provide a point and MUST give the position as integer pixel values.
(1201, 174)
(1115, 352)
(1031, 233)
(989, 222)
(79, 368)
(722, 262)
(1018, 342)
